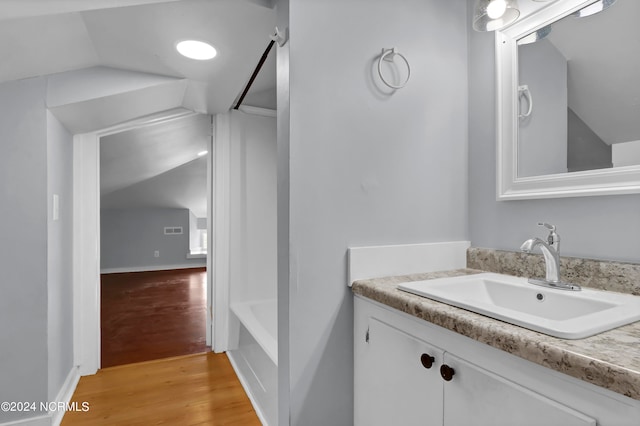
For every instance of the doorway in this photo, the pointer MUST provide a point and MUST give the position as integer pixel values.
(87, 242)
(153, 245)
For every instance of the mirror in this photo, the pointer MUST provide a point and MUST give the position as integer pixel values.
(569, 101)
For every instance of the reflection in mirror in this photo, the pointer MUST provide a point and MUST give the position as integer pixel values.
(579, 92)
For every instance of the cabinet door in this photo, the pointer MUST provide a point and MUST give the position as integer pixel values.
(395, 383)
(478, 397)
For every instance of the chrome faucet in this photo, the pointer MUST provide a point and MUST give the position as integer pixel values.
(551, 253)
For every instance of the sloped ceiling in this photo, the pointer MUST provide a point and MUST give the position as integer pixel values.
(42, 45)
(12, 9)
(157, 165)
(97, 98)
(182, 187)
(110, 61)
(40, 37)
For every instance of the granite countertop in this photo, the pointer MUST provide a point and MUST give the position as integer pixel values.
(610, 359)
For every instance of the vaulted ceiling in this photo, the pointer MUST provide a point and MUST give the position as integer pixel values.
(131, 157)
(110, 61)
(39, 37)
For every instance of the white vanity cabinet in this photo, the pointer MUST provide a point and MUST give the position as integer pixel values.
(411, 372)
(475, 396)
(400, 395)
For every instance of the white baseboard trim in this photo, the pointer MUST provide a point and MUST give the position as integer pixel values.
(65, 394)
(247, 389)
(53, 418)
(197, 256)
(152, 268)
(384, 261)
(31, 421)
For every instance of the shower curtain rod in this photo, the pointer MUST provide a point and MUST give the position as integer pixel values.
(255, 73)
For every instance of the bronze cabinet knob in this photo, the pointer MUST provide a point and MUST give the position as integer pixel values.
(447, 372)
(427, 360)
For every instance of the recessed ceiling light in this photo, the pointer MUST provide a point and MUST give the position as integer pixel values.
(198, 50)
(201, 153)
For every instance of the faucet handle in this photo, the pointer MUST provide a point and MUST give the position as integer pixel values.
(553, 238)
(550, 227)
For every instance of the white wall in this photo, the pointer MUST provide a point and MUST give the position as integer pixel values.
(201, 223)
(129, 238)
(253, 207)
(542, 137)
(59, 254)
(361, 166)
(194, 234)
(262, 99)
(23, 251)
(626, 153)
(604, 227)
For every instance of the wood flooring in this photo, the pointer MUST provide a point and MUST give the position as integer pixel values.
(190, 390)
(152, 315)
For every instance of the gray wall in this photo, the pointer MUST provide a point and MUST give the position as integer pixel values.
(365, 166)
(625, 153)
(605, 227)
(129, 237)
(60, 254)
(585, 149)
(23, 251)
(542, 138)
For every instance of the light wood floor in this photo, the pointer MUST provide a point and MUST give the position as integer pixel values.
(189, 390)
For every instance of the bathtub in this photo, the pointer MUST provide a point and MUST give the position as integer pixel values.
(255, 356)
(260, 318)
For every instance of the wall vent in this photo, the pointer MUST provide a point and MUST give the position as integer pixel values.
(173, 230)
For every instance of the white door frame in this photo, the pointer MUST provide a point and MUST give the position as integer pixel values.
(86, 240)
(221, 237)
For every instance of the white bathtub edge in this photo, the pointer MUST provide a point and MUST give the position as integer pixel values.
(247, 389)
(242, 310)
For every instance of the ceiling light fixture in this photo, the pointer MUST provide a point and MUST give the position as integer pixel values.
(496, 9)
(491, 15)
(201, 153)
(535, 36)
(198, 50)
(594, 8)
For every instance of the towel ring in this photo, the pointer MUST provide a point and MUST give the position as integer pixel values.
(524, 92)
(389, 55)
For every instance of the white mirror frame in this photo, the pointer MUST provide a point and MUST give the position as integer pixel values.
(618, 180)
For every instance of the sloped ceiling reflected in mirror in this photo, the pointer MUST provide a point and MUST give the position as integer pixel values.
(603, 69)
(621, 102)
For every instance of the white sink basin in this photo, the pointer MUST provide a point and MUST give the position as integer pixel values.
(559, 313)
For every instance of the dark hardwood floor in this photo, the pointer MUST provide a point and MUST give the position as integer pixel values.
(152, 315)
